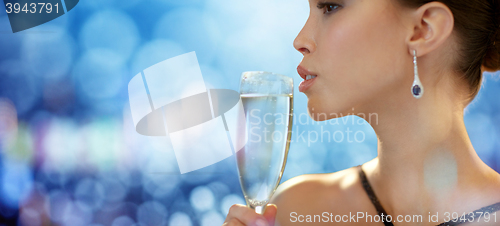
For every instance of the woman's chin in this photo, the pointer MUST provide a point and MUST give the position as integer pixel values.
(317, 114)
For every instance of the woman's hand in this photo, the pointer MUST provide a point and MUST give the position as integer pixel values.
(240, 215)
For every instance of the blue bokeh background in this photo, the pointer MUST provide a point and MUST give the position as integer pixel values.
(69, 153)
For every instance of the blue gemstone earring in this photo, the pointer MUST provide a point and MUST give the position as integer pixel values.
(416, 89)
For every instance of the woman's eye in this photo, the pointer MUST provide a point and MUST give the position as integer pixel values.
(328, 7)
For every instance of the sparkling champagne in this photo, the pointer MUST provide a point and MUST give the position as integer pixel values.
(261, 161)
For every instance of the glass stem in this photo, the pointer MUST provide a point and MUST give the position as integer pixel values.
(259, 209)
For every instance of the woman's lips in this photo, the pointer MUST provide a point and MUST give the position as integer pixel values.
(304, 73)
(304, 85)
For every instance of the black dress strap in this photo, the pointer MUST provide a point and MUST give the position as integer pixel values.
(371, 194)
(471, 217)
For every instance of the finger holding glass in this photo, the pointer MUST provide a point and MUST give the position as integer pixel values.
(241, 215)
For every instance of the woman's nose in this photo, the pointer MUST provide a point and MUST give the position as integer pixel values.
(304, 42)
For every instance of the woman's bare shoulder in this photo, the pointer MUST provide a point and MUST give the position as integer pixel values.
(316, 194)
(307, 183)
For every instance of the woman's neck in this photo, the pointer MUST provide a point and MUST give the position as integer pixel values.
(425, 157)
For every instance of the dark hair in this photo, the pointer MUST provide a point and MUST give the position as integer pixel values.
(477, 24)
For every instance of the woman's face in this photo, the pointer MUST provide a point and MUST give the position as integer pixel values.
(358, 51)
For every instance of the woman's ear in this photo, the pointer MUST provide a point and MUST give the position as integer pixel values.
(432, 25)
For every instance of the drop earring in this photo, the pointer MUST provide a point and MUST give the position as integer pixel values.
(416, 89)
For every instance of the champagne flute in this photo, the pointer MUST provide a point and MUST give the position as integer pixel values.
(268, 104)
